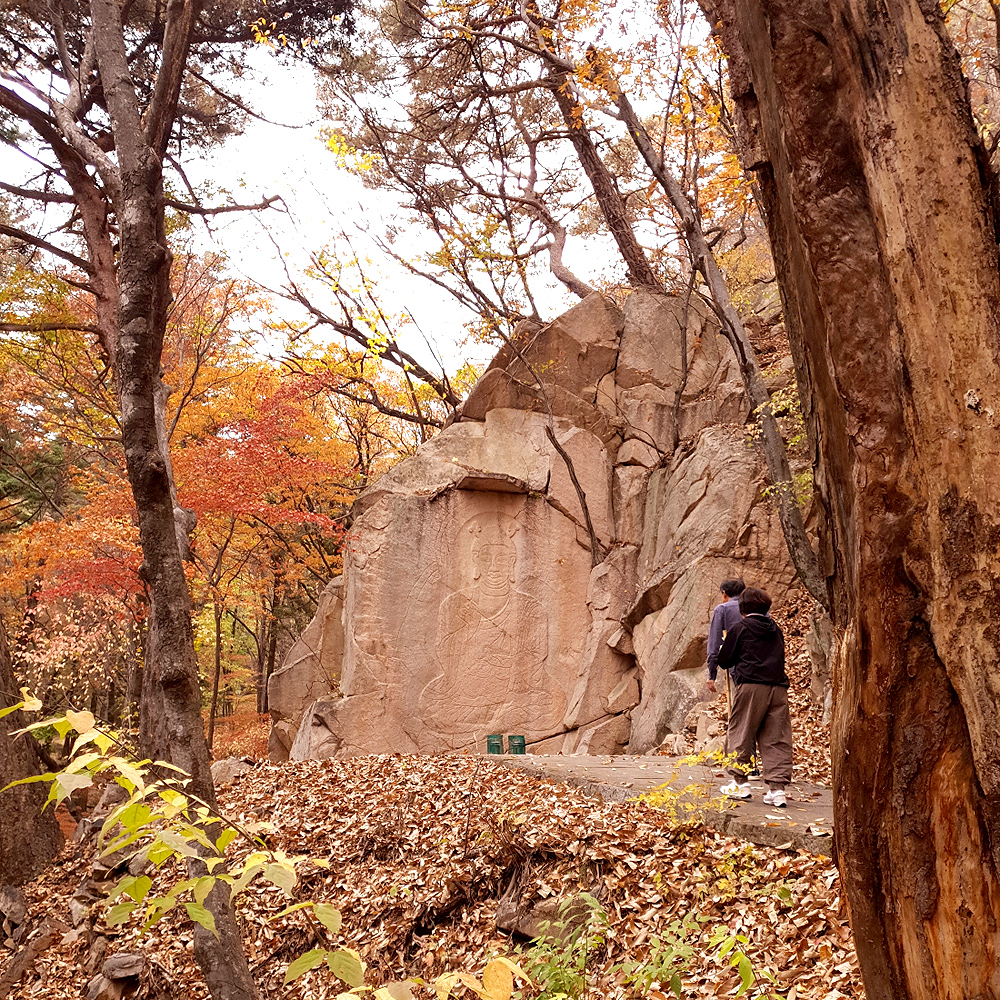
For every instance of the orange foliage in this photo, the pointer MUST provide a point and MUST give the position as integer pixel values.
(242, 734)
(260, 465)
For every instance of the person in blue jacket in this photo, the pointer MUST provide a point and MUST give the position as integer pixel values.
(724, 617)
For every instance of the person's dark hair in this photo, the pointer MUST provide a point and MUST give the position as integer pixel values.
(754, 601)
(732, 588)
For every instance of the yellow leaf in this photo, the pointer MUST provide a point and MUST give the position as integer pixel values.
(31, 704)
(444, 984)
(82, 722)
(514, 968)
(498, 981)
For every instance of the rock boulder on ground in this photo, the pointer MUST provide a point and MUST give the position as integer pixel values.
(470, 603)
(310, 670)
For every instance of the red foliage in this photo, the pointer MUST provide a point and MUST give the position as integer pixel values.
(242, 734)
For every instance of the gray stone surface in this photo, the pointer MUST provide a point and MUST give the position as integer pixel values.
(310, 670)
(123, 965)
(13, 904)
(229, 768)
(806, 823)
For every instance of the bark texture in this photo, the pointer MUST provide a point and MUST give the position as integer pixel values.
(29, 838)
(853, 117)
(170, 715)
(610, 199)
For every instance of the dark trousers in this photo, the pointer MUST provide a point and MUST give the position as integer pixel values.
(759, 717)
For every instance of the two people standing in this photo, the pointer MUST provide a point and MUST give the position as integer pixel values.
(753, 650)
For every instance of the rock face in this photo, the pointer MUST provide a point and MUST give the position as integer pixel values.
(470, 604)
(310, 670)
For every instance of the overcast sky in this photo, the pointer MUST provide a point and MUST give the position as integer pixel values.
(322, 200)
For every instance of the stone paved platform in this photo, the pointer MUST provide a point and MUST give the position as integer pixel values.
(806, 823)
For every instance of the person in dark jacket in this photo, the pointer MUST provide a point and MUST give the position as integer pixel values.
(724, 617)
(754, 653)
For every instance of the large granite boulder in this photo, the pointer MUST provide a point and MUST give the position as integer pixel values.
(310, 671)
(470, 603)
(706, 519)
(485, 629)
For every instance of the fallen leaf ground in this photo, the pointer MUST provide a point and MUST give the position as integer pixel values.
(421, 848)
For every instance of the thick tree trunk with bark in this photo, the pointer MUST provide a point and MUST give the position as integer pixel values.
(29, 838)
(213, 707)
(170, 716)
(854, 119)
(606, 191)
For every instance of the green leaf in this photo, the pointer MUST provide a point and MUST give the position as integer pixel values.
(138, 889)
(81, 761)
(346, 964)
(196, 833)
(746, 974)
(304, 963)
(249, 874)
(29, 780)
(160, 852)
(329, 916)
(283, 876)
(200, 915)
(134, 815)
(122, 842)
(726, 947)
(225, 839)
(202, 888)
(158, 909)
(177, 844)
(133, 774)
(119, 914)
(12, 708)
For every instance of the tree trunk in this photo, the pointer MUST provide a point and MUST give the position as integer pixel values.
(272, 649)
(606, 191)
(775, 456)
(170, 715)
(214, 707)
(133, 673)
(878, 198)
(29, 838)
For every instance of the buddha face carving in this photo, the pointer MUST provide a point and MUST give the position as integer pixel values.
(494, 565)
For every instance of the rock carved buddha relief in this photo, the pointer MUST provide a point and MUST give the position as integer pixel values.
(492, 643)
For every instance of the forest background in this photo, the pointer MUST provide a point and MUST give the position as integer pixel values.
(286, 398)
(218, 485)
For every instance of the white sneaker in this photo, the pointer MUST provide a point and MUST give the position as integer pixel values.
(775, 797)
(735, 790)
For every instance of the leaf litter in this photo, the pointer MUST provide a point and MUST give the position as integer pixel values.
(416, 851)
